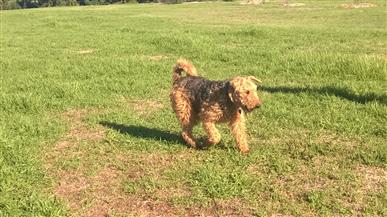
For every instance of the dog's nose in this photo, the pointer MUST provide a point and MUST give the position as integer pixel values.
(259, 104)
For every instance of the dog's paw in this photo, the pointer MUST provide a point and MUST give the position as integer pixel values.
(245, 150)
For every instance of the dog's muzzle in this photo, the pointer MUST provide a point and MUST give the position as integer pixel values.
(247, 109)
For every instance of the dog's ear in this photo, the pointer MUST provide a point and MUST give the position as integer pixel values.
(230, 91)
(234, 85)
(255, 80)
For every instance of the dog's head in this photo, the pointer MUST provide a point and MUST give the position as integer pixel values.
(243, 92)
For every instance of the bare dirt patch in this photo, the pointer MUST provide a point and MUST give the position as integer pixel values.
(358, 5)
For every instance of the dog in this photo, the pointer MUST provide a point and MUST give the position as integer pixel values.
(196, 99)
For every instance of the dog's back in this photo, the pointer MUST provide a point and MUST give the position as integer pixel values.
(199, 90)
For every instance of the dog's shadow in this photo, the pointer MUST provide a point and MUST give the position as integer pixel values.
(154, 134)
(144, 132)
(339, 92)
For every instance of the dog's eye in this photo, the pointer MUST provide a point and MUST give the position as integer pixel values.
(248, 92)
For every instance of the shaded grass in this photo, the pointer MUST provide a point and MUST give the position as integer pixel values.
(144, 132)
(324, 113)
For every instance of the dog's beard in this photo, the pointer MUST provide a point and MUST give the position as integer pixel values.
(246, 109)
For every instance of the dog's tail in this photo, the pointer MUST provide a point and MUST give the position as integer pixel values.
(183, 65)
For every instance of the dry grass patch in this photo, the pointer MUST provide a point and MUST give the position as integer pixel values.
(293, 4)
(321, 178)
(108, 182)
(358, 5)
(372, 178)
(103, 195)
(145, 107)
(252, 2)
(220, 207)
(141, 107)
(77, 132)
(85, 51)
(303, 137)
(280, 215)
(100, 192)
(157, 57)
(232, 207)
(71, 187)
(194, 2)
(152, 165)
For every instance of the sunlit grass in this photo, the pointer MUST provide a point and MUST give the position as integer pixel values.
(317, 144)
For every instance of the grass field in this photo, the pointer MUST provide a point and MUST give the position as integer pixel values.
(87, 127)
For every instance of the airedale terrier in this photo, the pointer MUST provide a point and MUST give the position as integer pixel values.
(196, 99)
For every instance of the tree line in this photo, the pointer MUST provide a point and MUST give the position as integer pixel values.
(20, 4)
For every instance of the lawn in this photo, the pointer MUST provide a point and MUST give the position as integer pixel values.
(87, 128)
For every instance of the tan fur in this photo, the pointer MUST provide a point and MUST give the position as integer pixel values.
(183, 65)
(197, 99)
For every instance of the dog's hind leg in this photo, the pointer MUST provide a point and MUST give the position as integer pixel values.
(212, 132)
(187, 135)
(184, 113)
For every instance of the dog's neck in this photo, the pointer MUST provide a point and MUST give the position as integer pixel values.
(232, 107)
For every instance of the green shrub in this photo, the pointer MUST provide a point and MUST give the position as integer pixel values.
(9, 5)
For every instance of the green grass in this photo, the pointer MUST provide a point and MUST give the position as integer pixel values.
(84, 100)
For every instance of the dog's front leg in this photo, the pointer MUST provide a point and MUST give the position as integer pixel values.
(212, 132)
(238, 129)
